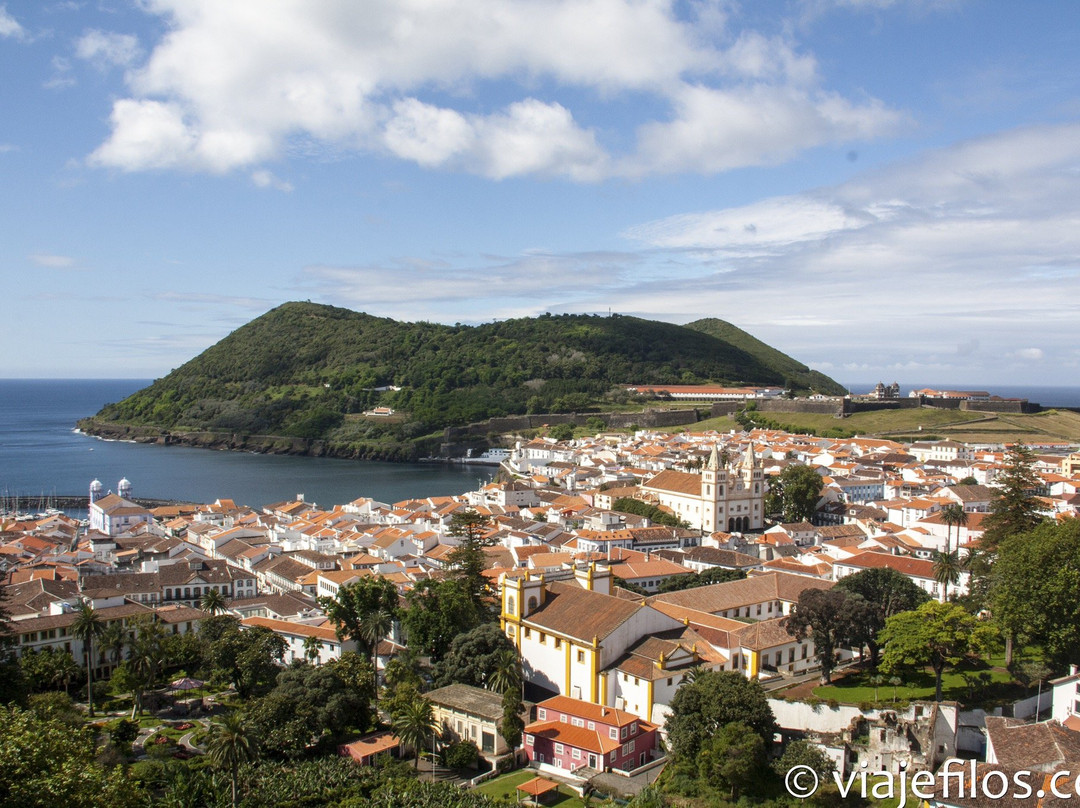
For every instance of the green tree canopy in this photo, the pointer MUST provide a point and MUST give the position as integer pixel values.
(713, 700)
(732, 759)
(307, 706)
(887, 592)
(354, 603)
(1015, 509)
(435, 613)
(47, 763)
(794, 493)
(468, 561)
(1035, 588)
(935, 634)
(832, 618)
(249, 659)
(474, 657)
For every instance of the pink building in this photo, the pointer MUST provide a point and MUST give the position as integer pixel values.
(571, 734)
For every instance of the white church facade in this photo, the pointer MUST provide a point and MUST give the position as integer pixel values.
(720, 498)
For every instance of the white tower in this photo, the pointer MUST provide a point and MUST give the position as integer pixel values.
(95, 490)
(123, 488)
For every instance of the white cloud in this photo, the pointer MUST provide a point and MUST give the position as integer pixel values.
(105, 48)
(230, 85)
(51, 261)
(1029, 354)
(949, 258)
(9, 26)
(266, 179)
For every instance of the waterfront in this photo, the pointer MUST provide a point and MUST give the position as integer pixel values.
(42, 455)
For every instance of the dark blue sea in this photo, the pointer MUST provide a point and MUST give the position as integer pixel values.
(42, 455)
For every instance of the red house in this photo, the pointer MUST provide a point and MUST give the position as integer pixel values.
(571, 734)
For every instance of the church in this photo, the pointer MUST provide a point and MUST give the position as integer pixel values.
(719, 499)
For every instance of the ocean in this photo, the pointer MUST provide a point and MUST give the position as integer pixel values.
(41, 455)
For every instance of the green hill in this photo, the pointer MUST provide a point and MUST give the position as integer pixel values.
(797, 375)
(307, 371)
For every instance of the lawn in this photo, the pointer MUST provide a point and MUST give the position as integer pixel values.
(506, 787)
(973, 686)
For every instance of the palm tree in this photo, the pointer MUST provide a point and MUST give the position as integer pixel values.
(373, 628)
(312, 646)
(114, 639)
(947, 568)
(230, 743)
(147, 654)
(413, 723)
(88, 627)
(507, 673)
(895, 682)
(213, 602)
(953, 515)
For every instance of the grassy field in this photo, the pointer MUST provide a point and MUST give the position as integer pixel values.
(984, 684)
(505, 787)
(924, 423)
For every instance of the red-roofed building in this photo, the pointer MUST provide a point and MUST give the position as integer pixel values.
(570, 734)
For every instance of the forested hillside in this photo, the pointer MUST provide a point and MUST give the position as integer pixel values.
(797, 375)
(309, 370)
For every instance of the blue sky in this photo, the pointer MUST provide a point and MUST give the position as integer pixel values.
(884, 189)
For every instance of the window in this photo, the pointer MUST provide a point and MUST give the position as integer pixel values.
(633, 729)
(613, 733)
(759, 608)
(575, 753)
(528, 740)
(581, 657)
(558, 642)
(559, 749)
(562, 718)
(630, 747)
(625, 732)
(577, 722)
(592, 725)
(543, 638)
(541, 714)
(528, 632)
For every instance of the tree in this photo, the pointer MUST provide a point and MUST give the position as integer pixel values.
(122, 734)
(1015, 509)
(114, 639)
(714, 699)
(468, 560)
(145, 659)
(512, 727)
(506, 675)
(414, 723)
(1035, 589)
(46, 762)
(48, 669)
(474, 657)
(732, 759)
(249, 659)
(947, 568)
(353, 602)
(230, 743)
(887, 592)
(355, 671)
(462, 755)
(307, 706)
(794, 493)
(936, 634)
(436, 612)
(831, 617)
(953, 515)
(804, 753)
(374, 628)
(88, 627)
(213, 602)
(312, 646)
